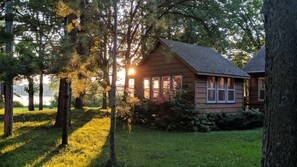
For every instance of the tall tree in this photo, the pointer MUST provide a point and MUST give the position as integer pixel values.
(8, 115)
(113, 85)
(280, 126)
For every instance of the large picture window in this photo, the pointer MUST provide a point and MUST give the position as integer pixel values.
(220, 90)
(146, 88)
(161, 86)
(261, 89)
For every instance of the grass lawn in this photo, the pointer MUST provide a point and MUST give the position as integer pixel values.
(36, 143)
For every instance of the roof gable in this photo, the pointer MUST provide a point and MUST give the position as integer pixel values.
(257, 63)
(204, 60)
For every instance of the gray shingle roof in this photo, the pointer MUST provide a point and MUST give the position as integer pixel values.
(257, 63)
(204, 60)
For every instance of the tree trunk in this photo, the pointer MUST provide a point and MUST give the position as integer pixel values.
(280, 126)
(79, 104)
(41, 91)
(8, 111)
(65, 124)
(1, 95)
(61, 103)
(31, 94)
(113, 90)
(8, 115)
(106, 83)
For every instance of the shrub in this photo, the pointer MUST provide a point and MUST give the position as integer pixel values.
(236, 121)
(17, 104)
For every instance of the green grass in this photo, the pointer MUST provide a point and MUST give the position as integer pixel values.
(36, 143)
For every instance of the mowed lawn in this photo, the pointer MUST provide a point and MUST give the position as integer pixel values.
(36, 143)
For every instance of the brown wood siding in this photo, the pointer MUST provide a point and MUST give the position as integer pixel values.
(253, 96)
(203, 106)
(163, 63)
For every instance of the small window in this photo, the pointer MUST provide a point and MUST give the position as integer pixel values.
(156, 87)
(147, 88)
(221, 89)
(166, 86)
(231, 90)
(177, 82)
(261, 89)
(211, 89)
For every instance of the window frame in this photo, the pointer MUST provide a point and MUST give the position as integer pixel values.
(221, 89)
(216, 89)
(259, 90)
(212, 89)
(153, 89)
(227, 94)
(149, 88)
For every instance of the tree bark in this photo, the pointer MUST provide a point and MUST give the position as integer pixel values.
(79, 104)
(1, 95)
(41, 91)
(280, 126)
(113, 90)
(31, 93)
(65, 124)
(8, 111)
(61, 103)
(8, 115)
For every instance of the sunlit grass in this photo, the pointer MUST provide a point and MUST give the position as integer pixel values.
(36, 143)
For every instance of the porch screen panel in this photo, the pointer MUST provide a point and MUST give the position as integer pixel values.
(211, 89)
(231, 89)
(146, 88)
(166, 86)
(221, 89)
(156, 86)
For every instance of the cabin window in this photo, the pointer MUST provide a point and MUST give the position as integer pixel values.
(231, 90)
(211, 89)
(131, 87)
(177, 82)
(166, 86)
(146, 87)
(220, 90)
(156, 86)
(261, 89)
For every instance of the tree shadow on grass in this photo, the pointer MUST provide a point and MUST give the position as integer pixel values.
(37, 142)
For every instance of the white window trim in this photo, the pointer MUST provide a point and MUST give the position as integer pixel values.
(260, 78)
(216, 89)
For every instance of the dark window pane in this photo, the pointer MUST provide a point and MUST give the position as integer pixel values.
(231, 95)
(262, 94)
(221, 95)
(211, 95)
(230, 83)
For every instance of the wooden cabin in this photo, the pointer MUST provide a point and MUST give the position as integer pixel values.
(256, 85)
(211, 82)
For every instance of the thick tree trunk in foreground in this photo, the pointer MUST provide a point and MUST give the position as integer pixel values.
(8, 111)
(61, 103)
(41, 91)
(8, 115)
(66, 114)
(280, 127)
(113, 158)
(31, 94)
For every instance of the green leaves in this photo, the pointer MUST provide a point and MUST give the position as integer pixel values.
(9, 67)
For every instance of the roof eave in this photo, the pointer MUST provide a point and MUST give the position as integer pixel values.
(224, 75)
